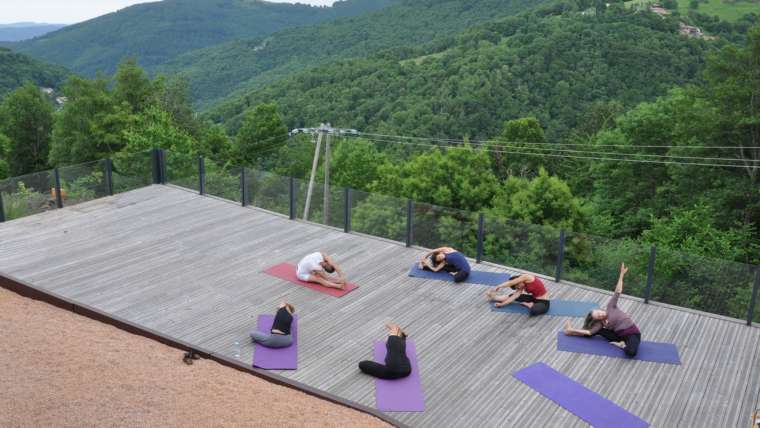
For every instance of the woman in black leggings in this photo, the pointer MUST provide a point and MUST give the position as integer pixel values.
(397, 364)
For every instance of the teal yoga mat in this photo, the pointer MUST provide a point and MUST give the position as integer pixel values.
(557, 308)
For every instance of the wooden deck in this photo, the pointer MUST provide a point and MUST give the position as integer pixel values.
(190, 266)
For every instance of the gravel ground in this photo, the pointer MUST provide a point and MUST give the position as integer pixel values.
(58, 369)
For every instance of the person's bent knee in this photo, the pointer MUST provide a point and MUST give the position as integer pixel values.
(365, 366)
(630, 352)
(461, 276)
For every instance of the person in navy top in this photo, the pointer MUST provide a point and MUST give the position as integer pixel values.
(449, 260)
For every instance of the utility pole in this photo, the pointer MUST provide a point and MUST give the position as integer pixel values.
(325, 131)
(326, 192)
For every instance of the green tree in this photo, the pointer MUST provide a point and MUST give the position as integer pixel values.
(133, 86)
(544, 200)
(262, 131)
(5, 144)
(26, 118)
(459, 177)
(155, 129)
(90, 125)
(356, 163)
(520, 136)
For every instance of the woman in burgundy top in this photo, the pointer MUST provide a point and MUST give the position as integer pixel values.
(613, 324)
(529, 292)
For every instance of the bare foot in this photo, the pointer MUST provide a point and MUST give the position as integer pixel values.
(620, 345)
(527, 304)
(500, 304)
(568, 327)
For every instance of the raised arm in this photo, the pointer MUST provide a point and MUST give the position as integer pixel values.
(619, 286)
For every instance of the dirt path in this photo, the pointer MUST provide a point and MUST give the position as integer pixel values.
(60, 369)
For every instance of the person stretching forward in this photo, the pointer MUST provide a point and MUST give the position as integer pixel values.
(397, 364)
(317, 268)
(529, 292)
(613, 324)
(447, 259)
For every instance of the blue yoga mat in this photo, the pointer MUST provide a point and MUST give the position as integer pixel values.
(596, 410)
(648, 351)
(475, 277)
(557, 308)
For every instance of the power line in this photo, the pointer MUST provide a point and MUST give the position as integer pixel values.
(567, 156)
(497, 142)
(698, 158)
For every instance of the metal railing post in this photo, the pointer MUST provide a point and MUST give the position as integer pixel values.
(347, 211)
(409, 222)
(243, 193)
(58, 195)
(481, 232)
(109, 177)
(201, 175)
(292, 197)
(560, 256)
(650, 274)
(156, 167)
(753, 300)
(2, 210)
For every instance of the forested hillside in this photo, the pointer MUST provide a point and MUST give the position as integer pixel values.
(555, 68)
(16, 68)
(155, 32)
(217, 71)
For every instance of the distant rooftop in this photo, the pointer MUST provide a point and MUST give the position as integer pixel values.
(190, 266)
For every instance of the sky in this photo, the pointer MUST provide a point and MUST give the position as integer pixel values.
(72, 11)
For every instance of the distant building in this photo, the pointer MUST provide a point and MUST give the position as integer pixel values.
(691, 31)
(47, 91)
(656, 8)
(61, 101)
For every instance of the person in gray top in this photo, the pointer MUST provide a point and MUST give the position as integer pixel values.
(613, 324)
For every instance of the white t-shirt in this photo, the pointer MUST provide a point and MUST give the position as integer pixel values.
(309, 264)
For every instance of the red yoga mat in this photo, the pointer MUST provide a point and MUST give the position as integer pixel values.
(287, 271)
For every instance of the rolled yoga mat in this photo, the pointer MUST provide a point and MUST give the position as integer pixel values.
(276, 358)
(596, 410)
(559, 308)
(475, 277)
(287, 271)
(399, 395)
(596, 345)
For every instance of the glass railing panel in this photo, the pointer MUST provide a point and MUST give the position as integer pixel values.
(523, 246)
(595, 261)
(182, 170)
(132, 171)
(82, 183)
(223, 180)
(28, 194)
(436, 226)
(378, 215)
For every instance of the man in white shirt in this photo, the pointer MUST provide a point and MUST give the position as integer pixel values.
(318, 268)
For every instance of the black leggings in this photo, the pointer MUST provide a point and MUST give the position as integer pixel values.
(459, 275)
(540, 306)
(397, 364)
(632, 341)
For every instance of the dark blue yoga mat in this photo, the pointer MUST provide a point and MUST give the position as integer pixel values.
(558, 308)
(596, 410)
(648, 351)
(476, 277)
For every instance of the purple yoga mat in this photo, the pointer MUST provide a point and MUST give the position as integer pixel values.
(276, 358)
(648, 351)
(399, 395)
(598, 411)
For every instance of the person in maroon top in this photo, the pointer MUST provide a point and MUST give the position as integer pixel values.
(529, 292)
(613, 324)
